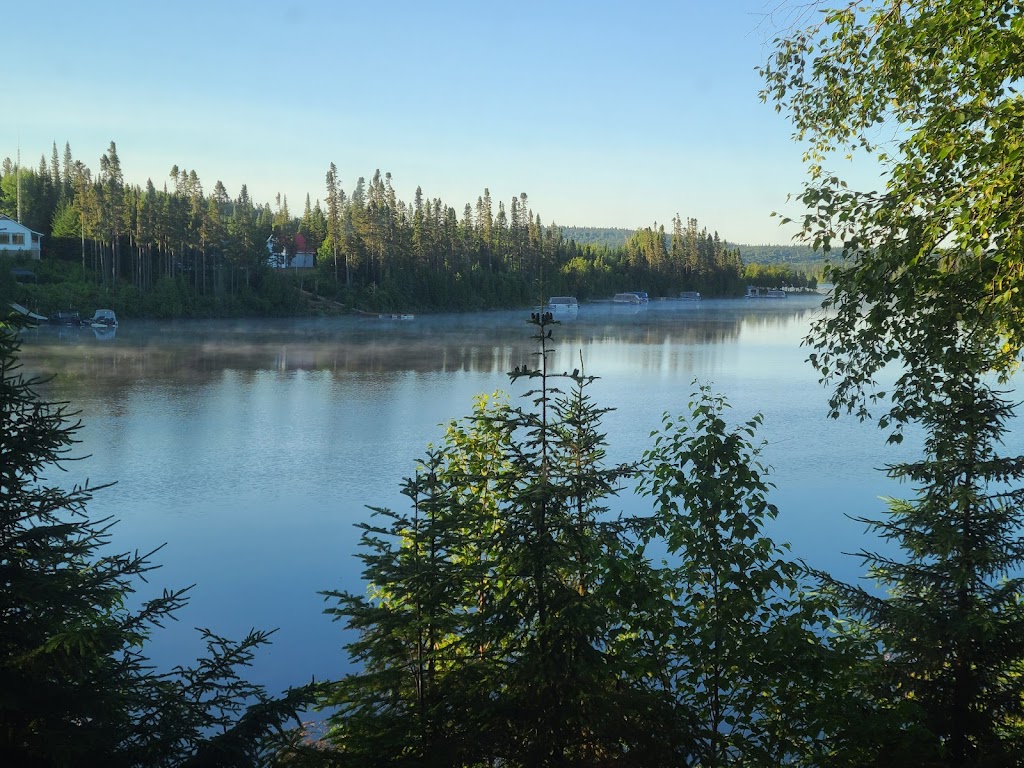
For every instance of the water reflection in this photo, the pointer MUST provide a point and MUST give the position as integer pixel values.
(68, 334)
(197, 351)
(252, 449)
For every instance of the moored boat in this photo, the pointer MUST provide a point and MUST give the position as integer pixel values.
(757, 292)
(562, 305)
(66, 318)
(627, 297)
(103, 318)
(34, 316)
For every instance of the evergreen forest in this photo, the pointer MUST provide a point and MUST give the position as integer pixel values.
(511, 617)
(798, 256)
(178, 250)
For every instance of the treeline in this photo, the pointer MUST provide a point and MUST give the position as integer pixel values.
(780, 254)
(178, 249)
(800, 265)
(798, 259)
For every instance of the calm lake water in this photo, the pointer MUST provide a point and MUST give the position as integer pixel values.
(251, 448)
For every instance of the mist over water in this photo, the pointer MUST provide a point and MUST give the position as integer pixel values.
(252, 448)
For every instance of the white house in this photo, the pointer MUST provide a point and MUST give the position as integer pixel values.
(17, 239)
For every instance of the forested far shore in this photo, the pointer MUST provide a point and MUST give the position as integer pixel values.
(171, 249)
(798, 256)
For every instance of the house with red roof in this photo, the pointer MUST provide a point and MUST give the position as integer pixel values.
(295, 255)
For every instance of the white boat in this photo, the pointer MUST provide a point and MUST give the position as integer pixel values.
(690, 295)
(642, 295)
(756, 292)
(103, 318)
(628, 297)
(562, 305)
(29, 313)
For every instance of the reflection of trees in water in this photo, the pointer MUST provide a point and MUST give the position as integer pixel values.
(700, 331)
(198, 353)
(778, 319)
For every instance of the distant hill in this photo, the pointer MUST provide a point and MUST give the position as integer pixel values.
(776, 254)
(800, 257)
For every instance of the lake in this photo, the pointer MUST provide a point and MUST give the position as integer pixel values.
(251, 448)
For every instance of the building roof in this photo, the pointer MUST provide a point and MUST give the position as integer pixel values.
(299, 243)
(4, 218)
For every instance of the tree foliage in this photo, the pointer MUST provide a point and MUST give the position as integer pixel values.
(512, 618)
(747, 653)
(375, 251)
(487, 632)
(929, 90)
(75, 685)
(926, 275)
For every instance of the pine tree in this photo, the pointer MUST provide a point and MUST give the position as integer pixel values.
(927, 280)
(75, 687)
(335, 200)
(112, 208)
(560, 557)
(57, 185)
(951, 630)
(408, 703)
(68, 172)
(486, 636)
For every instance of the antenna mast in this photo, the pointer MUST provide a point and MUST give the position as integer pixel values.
(17, 177)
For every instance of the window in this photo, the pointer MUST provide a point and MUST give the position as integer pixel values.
(4, 238)
(17, 238)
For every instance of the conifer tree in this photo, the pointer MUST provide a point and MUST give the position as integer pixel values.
(561, 557)
(951, 630)
(926, 277)
(426, 570)
(57, 185)
(67, 176)
(485, 639)
(75, 686)
(334, 220)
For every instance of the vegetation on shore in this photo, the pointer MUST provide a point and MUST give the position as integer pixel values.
(514, 619)
(178, 251)
(798, 257)
(926, 275)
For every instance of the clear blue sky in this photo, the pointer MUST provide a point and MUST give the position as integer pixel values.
(605, 113)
